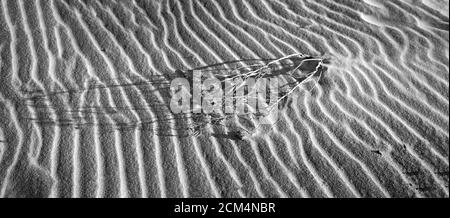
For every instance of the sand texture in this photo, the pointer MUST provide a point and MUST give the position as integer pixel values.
(85, 88)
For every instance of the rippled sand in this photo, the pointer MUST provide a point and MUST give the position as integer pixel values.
(84, 95)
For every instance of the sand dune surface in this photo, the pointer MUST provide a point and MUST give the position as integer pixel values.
(85, 93)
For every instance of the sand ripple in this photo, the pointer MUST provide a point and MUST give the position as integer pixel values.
(84, 99)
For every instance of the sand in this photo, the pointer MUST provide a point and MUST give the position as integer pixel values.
(85, 90)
